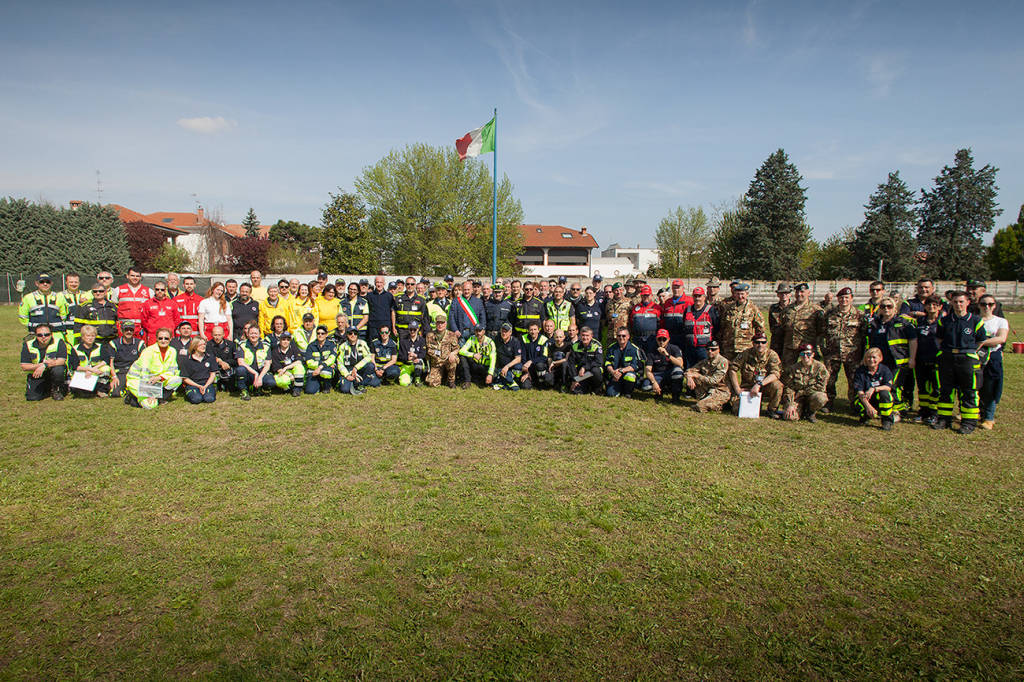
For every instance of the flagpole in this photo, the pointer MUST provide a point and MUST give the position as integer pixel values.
(494, 206)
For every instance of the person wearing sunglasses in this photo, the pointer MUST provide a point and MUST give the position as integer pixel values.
(623, 365)
(157, 313)
(804, 381)
(100, 313)
(157, 365)
(123, 352)
(876, 292)
(960, 335)
(896, 337)
(44, 357)
(757, 370)
(43, 306)
(998, 330)
(321, 357)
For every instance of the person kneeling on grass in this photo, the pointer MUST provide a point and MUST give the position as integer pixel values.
(623, 362)
(509, 359)
(91, 359)
(45, 360)
(478, 357)
(873, 384)
(157, 366)
(355, 364)
(663, 370)
(385, 356)
(757, 371)
(283, 367)
(709, 381)
(199, 373)
(412, 356)
(805, 383)
(586, 364)
(321, 359)
(252, 355)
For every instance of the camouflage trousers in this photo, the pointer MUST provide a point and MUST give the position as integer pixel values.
(808, 402)
(771, 396)
(849, 367)
(442, 372)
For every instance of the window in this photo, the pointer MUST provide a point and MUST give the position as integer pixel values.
(566, 235)
(531, 256)
(567, 256)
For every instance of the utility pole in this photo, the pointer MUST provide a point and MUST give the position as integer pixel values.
(880, 261)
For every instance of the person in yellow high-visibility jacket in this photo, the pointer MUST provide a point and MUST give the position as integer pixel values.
(157, 364)
(271, 308)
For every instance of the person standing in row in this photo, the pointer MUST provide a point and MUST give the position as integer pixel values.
(130, 297)
(960, 335)
(843, 327)
(997, 329)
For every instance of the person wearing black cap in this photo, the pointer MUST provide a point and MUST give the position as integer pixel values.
(412, 355)
(306, 333)
(804, 383)
(42, 306)
(757, 370)
(975, 290)
(356, 371)
(497, 310)
(181, 342)
(98, 312)
(509, 359)
(44, 357)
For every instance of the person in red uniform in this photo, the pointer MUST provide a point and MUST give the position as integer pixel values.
(673, 312)
(188, 303)
(130, 297)
(158, 312)
(644, 319)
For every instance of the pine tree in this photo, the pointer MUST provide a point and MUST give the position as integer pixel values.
(887, 234)
(251, 224)
(954, 215)
(772, 231)
(348, 246)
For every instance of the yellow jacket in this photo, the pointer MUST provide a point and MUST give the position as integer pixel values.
(269, 312)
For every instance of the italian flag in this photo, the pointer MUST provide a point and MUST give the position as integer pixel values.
(476, 142)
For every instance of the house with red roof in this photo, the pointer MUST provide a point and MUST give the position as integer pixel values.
(553, 250)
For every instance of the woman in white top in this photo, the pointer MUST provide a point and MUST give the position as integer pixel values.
(214, 311)
(992, 373)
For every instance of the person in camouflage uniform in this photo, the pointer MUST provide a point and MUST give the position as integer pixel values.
(800, 323)
(712, 287)
(757, 370)
(709, 381)
(738, 321)
(842, 327)
(804, 382)
(775, 310)
(616, 313)
(443, 354)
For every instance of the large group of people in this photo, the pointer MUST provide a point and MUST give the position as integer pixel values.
(624, 339)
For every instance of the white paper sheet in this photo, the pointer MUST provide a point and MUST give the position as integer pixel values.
(84, 381)
(750, 406)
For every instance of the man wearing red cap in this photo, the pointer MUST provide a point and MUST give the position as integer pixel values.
(673, 311)
(700, 325)
(644, 319)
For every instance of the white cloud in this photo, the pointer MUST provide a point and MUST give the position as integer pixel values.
(882, 74)
(207, 125)
(749, 27)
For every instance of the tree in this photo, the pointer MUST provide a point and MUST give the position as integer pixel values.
(954, 215)
(251, 224)
(887, 233)
(1006, 255)
(348, 245)
(294, 233)
(683, 239)
(726, 247)
(430, 213)
(248, 253)
(772, 230)
(144, 243)
(833, 259)
(42, 238)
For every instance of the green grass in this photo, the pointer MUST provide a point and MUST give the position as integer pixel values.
(425, 533)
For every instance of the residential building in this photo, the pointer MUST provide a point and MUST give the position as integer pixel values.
(554, 250)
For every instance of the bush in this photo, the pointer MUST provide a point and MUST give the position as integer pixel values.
(171, 258)
(249, 253)
(144, 244)
(282, 258)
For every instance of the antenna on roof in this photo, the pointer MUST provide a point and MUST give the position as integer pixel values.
(195, 199)
(99, 188)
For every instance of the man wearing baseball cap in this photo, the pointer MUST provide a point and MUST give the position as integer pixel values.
(42, 306)
(709, 381)
(700, 326)
(757, 370)
(663, 370)
(673, 312)
(784, 293)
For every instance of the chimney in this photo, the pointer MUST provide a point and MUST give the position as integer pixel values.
(199, 215)
(583, 230)
(75, 203)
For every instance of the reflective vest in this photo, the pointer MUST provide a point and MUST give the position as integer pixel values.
(356, 311)
(301, 307)
(323, 356)
(303, 337)
(72, 300)
(103, 317)
(409, 308)
(562, 313)
(891, 338)
(354, 357)
(527, 311)
(486, 348)
(382, 353)
(38, 308)
(55, 349)
(253, 355)
(188, 309)
(152, 363)
(697, 328)
(629, 357)
(80, 355)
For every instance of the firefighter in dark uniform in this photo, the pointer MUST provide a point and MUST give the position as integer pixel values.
(623, 366)
(590, 312)
(528, 309)
(926, 369)
(497, 310)
(644, 318)
(896, 337)
(959, 334)
(586, 364)
(408, 307)
(100, 313)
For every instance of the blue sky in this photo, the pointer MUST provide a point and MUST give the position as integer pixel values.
(610, 114)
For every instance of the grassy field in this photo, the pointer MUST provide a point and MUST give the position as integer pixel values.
(426, 533)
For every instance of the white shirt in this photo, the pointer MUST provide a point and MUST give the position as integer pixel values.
(992, 327)
(209, 308)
